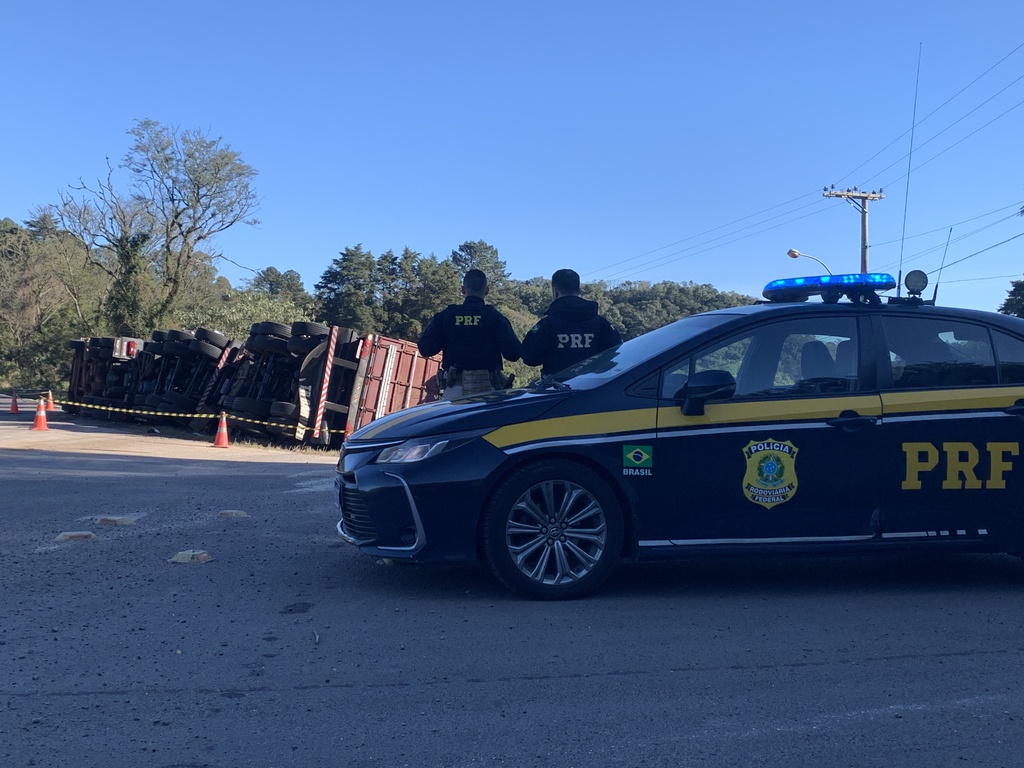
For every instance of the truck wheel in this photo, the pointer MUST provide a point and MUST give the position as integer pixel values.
(252, 405)
(309, 329)
(216, 338)
(204, 348)
(269, 328)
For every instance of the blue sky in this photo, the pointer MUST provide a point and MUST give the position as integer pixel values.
(630, 141)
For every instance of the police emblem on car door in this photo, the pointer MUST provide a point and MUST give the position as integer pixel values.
(791, 455)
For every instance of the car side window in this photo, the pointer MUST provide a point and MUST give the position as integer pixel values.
(674, 377)
(791, 358)
(938, 352)
(1010, 353)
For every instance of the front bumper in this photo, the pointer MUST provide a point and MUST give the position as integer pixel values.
(426, 511)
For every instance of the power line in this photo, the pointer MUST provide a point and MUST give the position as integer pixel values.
(983, 250)
(959, 238)
(707, 232)
(930, 114)
(701, 248)
(648, 267)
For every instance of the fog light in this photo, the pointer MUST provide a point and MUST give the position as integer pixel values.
(408, 536)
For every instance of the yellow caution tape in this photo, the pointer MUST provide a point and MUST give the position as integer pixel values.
(173, 415)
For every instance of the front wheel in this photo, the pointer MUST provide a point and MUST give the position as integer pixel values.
(552, 531)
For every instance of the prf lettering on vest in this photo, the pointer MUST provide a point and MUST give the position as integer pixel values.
(960, 461)
(575, 340)
(467, 319)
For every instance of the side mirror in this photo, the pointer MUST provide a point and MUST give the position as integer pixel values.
(704, 386)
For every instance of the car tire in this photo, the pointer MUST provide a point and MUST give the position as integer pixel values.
(525, 552)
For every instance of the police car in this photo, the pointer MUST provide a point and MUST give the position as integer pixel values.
(850, 424)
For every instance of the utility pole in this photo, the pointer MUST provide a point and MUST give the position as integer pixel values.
(859, 200)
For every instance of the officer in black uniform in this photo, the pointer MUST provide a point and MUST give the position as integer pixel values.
(473, 336)
(570, 331)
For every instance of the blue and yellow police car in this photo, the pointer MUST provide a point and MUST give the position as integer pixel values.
(846, 424)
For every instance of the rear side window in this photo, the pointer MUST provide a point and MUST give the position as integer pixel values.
(927, 353)
(1010, 353)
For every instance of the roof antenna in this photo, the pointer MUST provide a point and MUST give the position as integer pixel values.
(941, 265)
(910, 157)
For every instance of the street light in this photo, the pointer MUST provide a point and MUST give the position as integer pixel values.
(793, 253)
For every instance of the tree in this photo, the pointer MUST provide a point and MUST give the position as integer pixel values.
(392, 295)
(1014, 304)
(71, 266)
(37, 313)
(399, 288)
(286, 285)
(184, 189)
(482, 256)
(438, 285)
(234, 312)
(349, 292)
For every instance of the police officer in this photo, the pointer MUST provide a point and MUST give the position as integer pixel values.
(474, 336)
(570, 331)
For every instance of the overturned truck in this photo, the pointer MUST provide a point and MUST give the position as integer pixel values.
(300, 383)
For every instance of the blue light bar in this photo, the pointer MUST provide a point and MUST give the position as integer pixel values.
(832, 287)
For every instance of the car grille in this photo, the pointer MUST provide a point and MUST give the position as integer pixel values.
(356, 520)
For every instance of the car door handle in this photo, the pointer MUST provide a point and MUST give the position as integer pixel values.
(1015, 410)
(851, 421)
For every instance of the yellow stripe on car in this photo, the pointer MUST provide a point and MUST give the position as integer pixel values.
(951, 400)
(584, 425)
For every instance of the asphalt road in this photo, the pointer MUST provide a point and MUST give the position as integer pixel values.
(289, 648)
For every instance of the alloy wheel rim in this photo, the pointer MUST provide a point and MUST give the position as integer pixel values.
(556, 532)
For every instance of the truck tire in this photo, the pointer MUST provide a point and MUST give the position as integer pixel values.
(265, 343)
(252, 405)
(204, 348)
(269, 328)
(216, 338)
(309, 329)
(303, 345)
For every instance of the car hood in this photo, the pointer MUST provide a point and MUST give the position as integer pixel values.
(495, 409)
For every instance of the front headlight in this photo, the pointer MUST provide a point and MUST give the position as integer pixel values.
(410, 451)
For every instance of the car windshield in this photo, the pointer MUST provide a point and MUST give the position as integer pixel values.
(604, 366)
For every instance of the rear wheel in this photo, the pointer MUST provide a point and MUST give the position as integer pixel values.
(552, 531)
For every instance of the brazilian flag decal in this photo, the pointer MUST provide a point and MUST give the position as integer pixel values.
(637, 456)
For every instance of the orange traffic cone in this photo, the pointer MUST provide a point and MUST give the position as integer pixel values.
(49, 401)
(221, 440)
(14, 403)
(40, 421)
